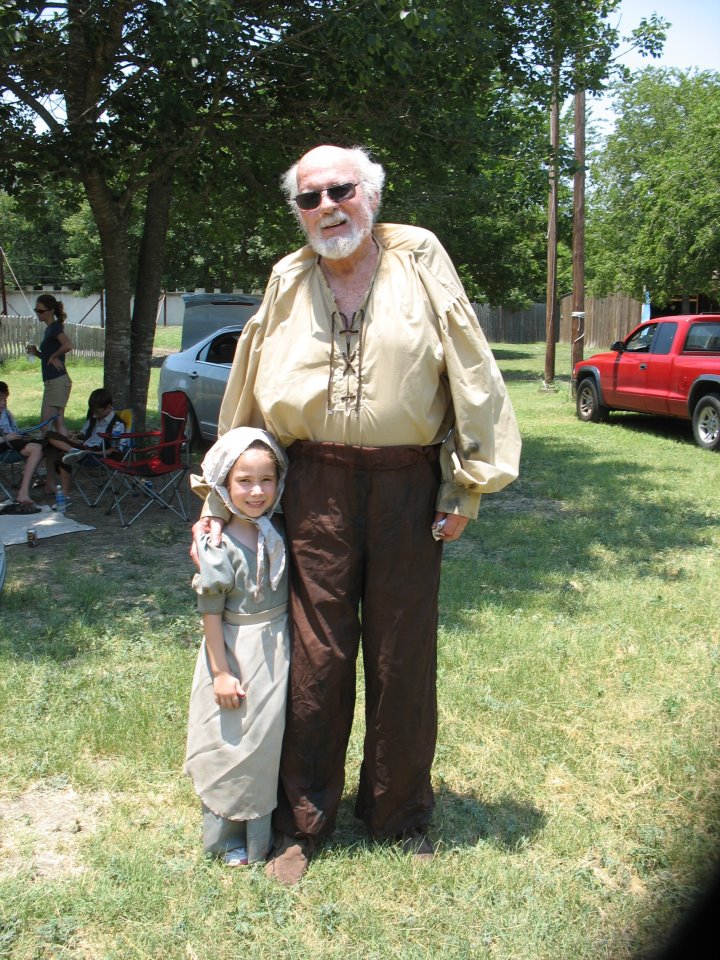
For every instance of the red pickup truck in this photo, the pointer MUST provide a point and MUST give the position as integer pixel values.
(669, 366)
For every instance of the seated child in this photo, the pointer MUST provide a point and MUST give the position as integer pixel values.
(101, 418)
(237, 703)
(12, 439)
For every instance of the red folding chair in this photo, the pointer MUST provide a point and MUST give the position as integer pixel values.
(155, 466)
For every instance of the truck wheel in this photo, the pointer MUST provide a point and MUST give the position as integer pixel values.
(706, 422)
(589, 407)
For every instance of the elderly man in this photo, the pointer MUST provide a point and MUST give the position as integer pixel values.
(367, 362)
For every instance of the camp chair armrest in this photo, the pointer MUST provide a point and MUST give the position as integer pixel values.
(151, 450)
(133, 434)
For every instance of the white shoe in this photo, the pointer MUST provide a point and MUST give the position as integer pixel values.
(235, 858)
(72, 455)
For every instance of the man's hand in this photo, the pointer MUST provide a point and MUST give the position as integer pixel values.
(452, 526)
(205, 525)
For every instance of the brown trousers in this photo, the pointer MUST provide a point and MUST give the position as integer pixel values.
(363, 562)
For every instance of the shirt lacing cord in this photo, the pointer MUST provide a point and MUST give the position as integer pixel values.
(350, 358)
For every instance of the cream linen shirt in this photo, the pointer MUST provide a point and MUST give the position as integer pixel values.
(411, 367)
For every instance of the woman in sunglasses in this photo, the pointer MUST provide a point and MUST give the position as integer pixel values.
(55, 344)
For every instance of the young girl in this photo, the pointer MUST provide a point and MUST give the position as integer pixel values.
(237, 704)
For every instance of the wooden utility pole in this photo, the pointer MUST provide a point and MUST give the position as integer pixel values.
(2, 282)
(551, 297)
(578, 233)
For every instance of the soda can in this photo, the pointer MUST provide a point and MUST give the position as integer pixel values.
(32, 537)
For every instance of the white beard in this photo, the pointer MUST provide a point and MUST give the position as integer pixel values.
(337, 248)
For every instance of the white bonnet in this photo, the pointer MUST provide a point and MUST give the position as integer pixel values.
(223, 454)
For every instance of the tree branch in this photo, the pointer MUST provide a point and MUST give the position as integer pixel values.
(42, 112)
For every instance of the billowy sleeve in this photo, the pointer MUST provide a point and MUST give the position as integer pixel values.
(481, 453)
(216, 577)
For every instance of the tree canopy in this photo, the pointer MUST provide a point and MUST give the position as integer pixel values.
(655, 212)
(176, 118)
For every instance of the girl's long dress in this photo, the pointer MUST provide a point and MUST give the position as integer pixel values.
(233, 755)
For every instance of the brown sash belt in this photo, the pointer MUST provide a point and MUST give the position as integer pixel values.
(363, 458)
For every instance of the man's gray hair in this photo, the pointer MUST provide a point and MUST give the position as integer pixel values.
(371, 173)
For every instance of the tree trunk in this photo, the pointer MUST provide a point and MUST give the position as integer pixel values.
(151, 259)
(111, 220)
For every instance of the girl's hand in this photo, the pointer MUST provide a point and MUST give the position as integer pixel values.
(58, 364)
(229, 692)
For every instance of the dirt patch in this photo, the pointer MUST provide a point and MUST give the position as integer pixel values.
(159, 354)
(41, 830)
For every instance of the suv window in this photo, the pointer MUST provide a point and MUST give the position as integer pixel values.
(703, 337)
(663, 339)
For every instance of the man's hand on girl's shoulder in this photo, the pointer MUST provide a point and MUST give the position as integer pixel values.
(202, 527)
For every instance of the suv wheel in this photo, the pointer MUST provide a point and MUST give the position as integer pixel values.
(588, 406)
(706, 422)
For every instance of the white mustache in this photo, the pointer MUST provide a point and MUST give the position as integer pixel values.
(333, 219)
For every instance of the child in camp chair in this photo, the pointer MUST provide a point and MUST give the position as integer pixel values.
(62, 450)
(12, 439)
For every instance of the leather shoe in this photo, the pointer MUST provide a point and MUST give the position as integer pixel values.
(288, 861)
(416, 844)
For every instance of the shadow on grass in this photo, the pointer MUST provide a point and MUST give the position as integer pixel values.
(560, 382)
(519, 353)
(667, 428)
(522, 375)
(572, 509)
(459, 820)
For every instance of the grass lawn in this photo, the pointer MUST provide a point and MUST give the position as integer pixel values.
(577, 766)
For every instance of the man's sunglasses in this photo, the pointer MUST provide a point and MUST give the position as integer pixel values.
(311, 200)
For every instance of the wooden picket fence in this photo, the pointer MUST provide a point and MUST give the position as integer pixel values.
(17, 332)
(606, 319)
(501, 325)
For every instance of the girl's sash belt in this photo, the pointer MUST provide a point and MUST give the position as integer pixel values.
(238, 619)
